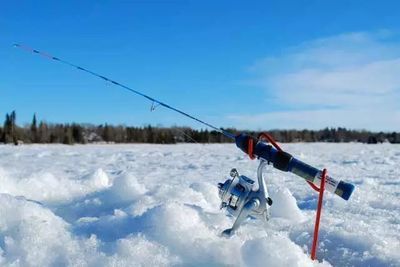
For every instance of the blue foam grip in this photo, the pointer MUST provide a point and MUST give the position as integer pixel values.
(270, 154)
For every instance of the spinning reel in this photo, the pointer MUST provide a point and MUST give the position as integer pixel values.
(241, 199)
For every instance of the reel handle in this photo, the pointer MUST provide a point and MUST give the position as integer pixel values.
(286, 162)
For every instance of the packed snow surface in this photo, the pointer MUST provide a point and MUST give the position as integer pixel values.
(158, 205)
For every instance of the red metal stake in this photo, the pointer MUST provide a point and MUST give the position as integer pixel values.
(318, 217)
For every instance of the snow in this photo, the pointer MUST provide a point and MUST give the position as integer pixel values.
(157, 205)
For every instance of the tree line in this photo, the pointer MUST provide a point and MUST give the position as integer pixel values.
(74, 133)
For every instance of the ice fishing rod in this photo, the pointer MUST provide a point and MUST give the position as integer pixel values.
(248, 144)
(152, 99)
(239, 195)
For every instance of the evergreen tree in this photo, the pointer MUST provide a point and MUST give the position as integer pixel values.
(7, 132)
(394, 138)
(68, 138)
(107, 134)
(77, 134)
(14, 136)
(149, 134)
(43, 132)
(34, 130)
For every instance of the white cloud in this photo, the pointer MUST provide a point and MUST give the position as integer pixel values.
(350, 80)
(371, 118)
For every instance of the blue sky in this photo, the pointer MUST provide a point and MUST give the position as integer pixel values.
(253, 65)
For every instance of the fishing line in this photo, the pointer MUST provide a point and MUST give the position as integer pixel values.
(152, 99)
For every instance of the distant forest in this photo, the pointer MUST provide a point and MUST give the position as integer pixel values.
(44, 133)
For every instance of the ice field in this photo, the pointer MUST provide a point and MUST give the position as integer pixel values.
(158, 205)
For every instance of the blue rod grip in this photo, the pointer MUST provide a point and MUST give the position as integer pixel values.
(286, 162)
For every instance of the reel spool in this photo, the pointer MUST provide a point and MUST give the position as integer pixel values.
(241, 199)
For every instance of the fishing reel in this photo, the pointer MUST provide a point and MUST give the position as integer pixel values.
(242, 199)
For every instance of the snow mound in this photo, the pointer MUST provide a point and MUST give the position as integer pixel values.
(154, 205)
(31, 235)
(97, 180)
(139, 251)
(284, 205)
(182, 229)
(126, 188)
(275, 250)
(45, 187)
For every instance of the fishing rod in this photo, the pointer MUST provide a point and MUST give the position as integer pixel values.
(152, 99)
(237, 194)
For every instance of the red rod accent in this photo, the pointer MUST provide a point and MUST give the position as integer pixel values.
(313, 186)
(270, 139)
(250, 145)
(250, 148)
(318, 217)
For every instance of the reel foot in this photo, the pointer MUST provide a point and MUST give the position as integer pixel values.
(227, 233)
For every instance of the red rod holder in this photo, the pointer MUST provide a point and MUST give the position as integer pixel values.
(318, 217)
(321, 189)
